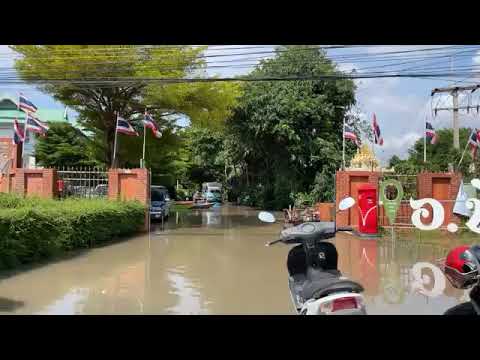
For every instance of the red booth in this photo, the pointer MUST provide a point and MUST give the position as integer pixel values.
(367, 207)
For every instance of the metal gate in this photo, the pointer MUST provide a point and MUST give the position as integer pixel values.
(82, 182)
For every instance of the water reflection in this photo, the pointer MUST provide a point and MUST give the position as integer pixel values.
(401, 275)
(215, 262)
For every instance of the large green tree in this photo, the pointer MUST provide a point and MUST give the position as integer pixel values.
(99, 80)
(63, 146)
(286, 134)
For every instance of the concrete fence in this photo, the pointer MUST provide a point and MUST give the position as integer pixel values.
(124, 184)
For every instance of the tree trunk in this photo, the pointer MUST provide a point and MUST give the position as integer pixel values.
(110, 124)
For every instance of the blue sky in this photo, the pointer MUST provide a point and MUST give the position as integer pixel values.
(400, 104)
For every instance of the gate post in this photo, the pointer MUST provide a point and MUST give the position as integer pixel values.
(131, 184)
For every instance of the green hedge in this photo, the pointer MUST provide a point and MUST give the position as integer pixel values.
(34, 229)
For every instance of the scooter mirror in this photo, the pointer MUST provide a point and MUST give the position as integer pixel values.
(346, 203)
(266, 217)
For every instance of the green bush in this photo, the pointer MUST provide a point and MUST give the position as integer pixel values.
(34, 229)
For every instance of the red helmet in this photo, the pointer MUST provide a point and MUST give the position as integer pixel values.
(461, 267)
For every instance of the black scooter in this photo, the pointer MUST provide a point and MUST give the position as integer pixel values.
(316, 285)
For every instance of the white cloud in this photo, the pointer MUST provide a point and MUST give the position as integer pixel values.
(399, 144)
(476, 58)
(7, 56)
(346, 67)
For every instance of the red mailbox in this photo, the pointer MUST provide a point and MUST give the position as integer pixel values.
(60, 185)
(367, 207)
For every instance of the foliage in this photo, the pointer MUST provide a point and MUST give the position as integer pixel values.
(203, 103)
(63, 145)
(442, 153)
(394, 161)
(302, 199)
(284, 135)
(439, 156)
(206, 162)
(34, 229)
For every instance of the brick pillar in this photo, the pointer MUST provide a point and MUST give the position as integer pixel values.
(342, 189)
(130, 184)
(113, 189)
(45, 182)
(425, 190)
(49, 183)
(18, 185)
(342, 183)
(424, 185)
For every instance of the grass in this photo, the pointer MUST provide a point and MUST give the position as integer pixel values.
(180, 208)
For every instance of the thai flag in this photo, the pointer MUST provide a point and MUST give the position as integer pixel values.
(18, 136)
(25, 104)
(376, 131)
(350, 134)
(474, 142)
(150, 123)
(430, 133)
(124, 127)
(35, 125)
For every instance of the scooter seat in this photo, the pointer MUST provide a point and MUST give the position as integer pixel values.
(298, 283)
(317, 280)
(338, 286)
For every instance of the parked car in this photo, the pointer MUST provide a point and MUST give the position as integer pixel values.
(159, 202)
(101, 190)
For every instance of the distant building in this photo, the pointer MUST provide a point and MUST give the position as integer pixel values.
(9, 112)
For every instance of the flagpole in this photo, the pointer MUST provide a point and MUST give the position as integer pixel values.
(25, 130)
(144, 139)
(425, 141)
(374, 138)
(464, 150)
(373, 151)
(115, 142)
(343, 138)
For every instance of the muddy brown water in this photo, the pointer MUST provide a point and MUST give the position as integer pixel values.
(215, 262)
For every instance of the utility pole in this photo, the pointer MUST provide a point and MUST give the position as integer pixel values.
(456, 138)
(454, 91)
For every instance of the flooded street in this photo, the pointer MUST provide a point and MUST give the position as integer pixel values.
(215, 262)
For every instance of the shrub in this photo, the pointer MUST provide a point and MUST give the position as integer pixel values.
(34, 229)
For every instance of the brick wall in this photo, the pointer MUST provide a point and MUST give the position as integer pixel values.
(35, 182)
(326, 210)
(425, 181)
(343, 183)
(129, 184)
(10, 151)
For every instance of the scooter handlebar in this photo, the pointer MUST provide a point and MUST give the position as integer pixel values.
(272, 243)
(344, 228)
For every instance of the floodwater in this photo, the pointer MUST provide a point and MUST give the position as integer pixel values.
(215, 262)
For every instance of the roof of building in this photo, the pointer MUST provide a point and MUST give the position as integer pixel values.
(9, 111)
